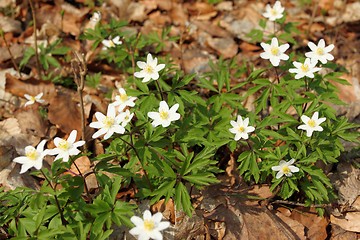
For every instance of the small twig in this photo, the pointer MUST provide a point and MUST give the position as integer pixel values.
(300, 204)
(10, 53)
(63, 220)
(35, 37)
(79, 68)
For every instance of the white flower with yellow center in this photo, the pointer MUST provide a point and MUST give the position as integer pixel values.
(241, 128)
(306, 69)
(109, 124)
(123, 100)
(165, 115)
(285, 168)
(66, 148)
(275, 12)
(33, 157)
(311, 124)
(320, 52)
(149, 69)
(148, 227)
(33, 99)
(111, 42)
(127, 116)
(274, 52)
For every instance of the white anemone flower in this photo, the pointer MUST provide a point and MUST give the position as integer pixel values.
(33, 99)
(320, 52)
(285, 168)
(165, 115)
(96, 17)
(241, 128)
(149, 69)
(275, 12)
(306, 69)
(111, 42)
(109, 124)
(127, 116)
(123, 100)
(311, 124)
(274, 52)
(33, 157)
(148, 227)
(66, 148)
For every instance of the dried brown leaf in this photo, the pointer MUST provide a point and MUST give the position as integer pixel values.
(31, 86)
(65, 112)
(316, 225)
(350, 222)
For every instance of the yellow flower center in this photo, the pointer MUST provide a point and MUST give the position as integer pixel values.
(64, 145)
(108, 122)
(311, 123)
(273, 12)
(286, 170)
(275, 51)
(304, 68)
(320, 51)
(149, 69)
(32, 155)
(149, 225)
(241, 129)
(164, 115)
(111, 43)
(123, 97)
(33, 99)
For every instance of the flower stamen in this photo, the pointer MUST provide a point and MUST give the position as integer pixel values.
(149, 225)
(108, 121)
(32, 155)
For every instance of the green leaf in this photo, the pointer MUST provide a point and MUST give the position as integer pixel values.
(29, 52)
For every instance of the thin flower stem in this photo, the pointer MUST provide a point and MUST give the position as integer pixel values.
(306, 89)
(274, 28)
(35, 37)
(85, 184)
(277, 75)
(63, 220)
(131, 144)
(160, 90)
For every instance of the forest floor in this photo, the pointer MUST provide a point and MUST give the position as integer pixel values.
(206, 32)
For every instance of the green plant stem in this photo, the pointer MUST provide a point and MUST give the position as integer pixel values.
(84, 180)
(131, 144)
(63, 220)
(160, 90)
(35, 37)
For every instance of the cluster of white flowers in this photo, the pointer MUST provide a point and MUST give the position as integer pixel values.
(275, 53)
(64, 149)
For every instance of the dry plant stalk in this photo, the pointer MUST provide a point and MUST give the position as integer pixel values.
(79, 67)
(10, 53)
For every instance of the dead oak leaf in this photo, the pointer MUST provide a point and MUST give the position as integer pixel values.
(65, 112)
